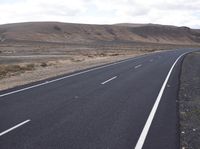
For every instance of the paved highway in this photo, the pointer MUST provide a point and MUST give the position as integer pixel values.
(124, 105)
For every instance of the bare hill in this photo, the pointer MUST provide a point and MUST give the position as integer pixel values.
(84, 33)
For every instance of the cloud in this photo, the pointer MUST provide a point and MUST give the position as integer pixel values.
(179, 12)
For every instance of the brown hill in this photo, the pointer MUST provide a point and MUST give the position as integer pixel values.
(85, 33)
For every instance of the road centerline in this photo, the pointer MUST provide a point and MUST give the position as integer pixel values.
(71, 75)
(138, 66)
(14, 127)
(109, 80)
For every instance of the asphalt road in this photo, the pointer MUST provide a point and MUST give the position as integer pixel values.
(107, 107)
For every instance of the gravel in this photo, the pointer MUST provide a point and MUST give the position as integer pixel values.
(189, 98)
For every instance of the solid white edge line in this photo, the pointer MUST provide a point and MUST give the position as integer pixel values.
(109, 80)
(16, 126)
(146, 128)
(68, 76)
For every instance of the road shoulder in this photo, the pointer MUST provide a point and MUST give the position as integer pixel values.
(189, 102)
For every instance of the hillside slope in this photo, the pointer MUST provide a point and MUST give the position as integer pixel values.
(84, 33)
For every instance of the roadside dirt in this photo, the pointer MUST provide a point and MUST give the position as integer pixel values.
(22, 62)
(189, 98)
(20, 70)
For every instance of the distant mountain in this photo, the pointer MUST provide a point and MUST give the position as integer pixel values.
(85, 33)
(140, 24)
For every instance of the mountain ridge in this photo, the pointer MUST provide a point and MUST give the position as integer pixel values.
(58, 32)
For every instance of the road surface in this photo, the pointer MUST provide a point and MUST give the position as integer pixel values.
(124, 105)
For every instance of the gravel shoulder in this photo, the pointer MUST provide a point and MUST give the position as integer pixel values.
(189, 102)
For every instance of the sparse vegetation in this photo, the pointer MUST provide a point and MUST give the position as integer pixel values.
(77, 60)
(57, 28)
(98, 33)
(115, 54)
(30, 66)
(14, 69)
(110, 31)
(43, 64)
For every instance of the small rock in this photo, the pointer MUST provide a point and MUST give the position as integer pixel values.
(183, 132)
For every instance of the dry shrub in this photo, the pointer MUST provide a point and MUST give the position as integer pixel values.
(12, 69)
(43, 64)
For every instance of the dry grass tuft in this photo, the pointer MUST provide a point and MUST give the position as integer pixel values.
(14, 69)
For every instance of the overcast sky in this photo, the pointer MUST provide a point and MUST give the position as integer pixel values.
(173, 12)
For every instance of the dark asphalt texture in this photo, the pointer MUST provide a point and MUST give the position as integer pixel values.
(80, 113)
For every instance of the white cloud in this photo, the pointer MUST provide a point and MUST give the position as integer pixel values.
(179, 12)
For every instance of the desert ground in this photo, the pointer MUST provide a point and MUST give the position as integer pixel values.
(34, 51)
(25, 62)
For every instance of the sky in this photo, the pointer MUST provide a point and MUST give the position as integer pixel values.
(168, 12)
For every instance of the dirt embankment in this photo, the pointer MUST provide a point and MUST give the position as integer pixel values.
(189, 107)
